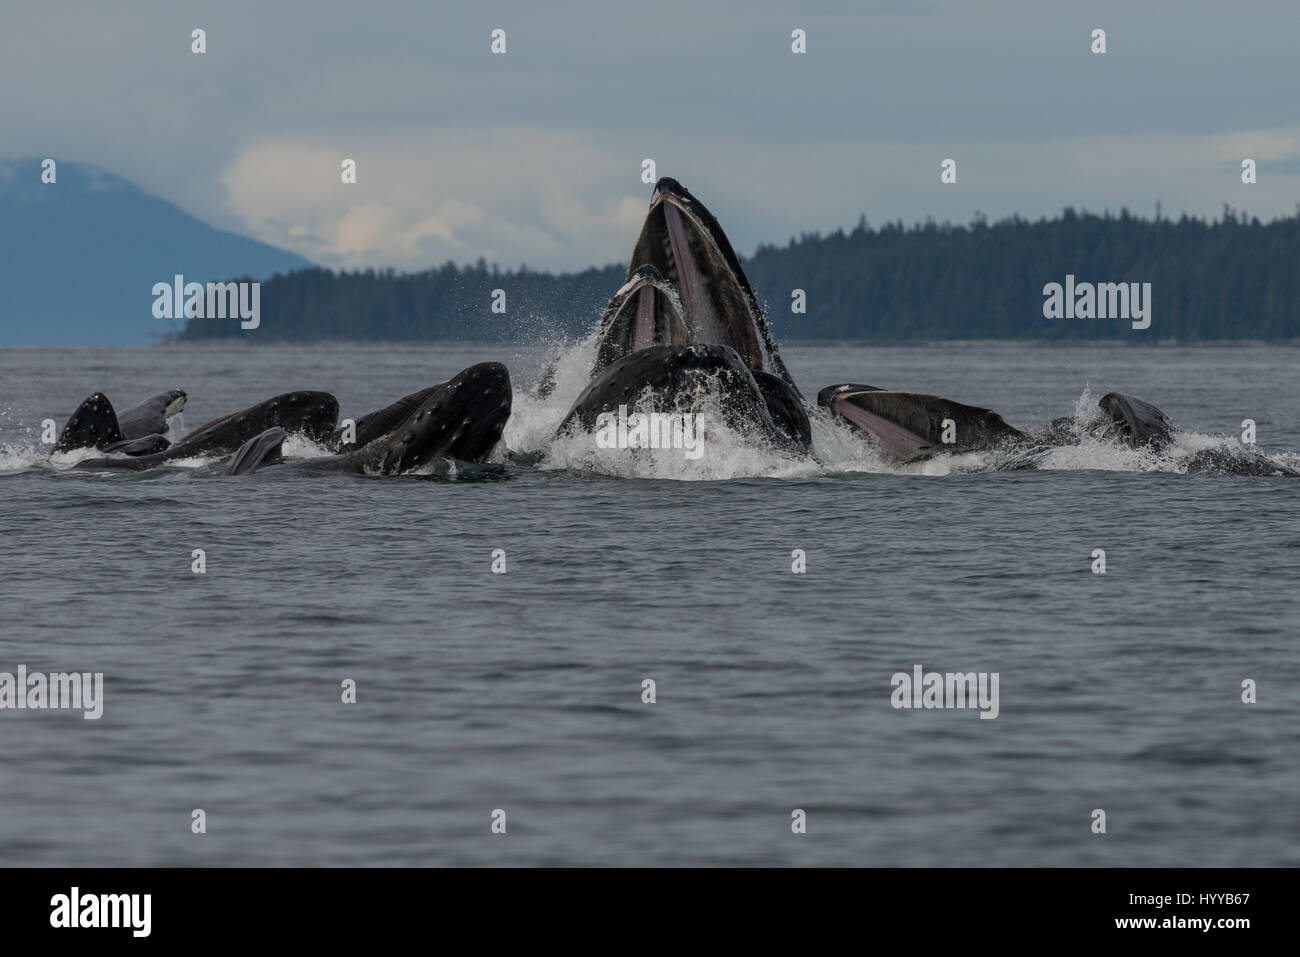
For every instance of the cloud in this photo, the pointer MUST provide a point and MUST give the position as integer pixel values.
(509, 195)
(535, 156)
(571, 198)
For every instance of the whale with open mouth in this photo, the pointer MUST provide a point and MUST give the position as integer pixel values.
(913, 425)
(687, 323)
(910, 426)
(140, 430)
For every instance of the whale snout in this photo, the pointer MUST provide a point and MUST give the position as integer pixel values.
(315, 414)
(479, 404)
(463, 418)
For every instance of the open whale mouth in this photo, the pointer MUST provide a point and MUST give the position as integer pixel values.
(646, 311)
(687, 249)
(911, 425)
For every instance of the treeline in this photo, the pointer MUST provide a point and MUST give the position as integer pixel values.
(1230, 278)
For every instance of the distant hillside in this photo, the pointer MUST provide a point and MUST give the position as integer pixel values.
(79, 257)
(1227, 279)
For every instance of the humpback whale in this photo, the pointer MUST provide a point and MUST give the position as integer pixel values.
(684, 329)
(913, 425)
(1137, 422)
(314, 414)
(680, 375)
(1140, 424)
(685, 322)
(908, 426)
(646, 311)
(142, 429)
(461, 419)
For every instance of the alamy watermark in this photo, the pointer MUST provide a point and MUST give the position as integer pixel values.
(651, 430)
(217, 300)
(129, 911)
(74, 691)
(951, 690)
(1103, 300)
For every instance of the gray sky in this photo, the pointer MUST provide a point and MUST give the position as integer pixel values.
(534, 156)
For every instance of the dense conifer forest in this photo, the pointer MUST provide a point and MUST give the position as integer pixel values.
(1230, 278)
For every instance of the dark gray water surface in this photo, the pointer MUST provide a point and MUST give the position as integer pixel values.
(522, 691)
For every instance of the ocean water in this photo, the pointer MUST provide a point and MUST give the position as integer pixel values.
(523, 691)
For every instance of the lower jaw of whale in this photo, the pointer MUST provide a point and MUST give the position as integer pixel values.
(153, 416)
(679, 379)
(646, 311)
(912, 426)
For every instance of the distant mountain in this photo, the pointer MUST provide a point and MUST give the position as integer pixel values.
(79, 257)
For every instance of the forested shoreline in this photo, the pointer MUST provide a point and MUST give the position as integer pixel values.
(1228, 279)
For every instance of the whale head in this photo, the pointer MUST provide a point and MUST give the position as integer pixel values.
(462, 419)
(314, 414)
(1137, 422)
(93, 425)
(686, 250)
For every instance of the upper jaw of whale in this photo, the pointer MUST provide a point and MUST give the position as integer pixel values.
(460, 419)
(93, 425)
(687, 250)
(913, 425)
(1136, 421)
